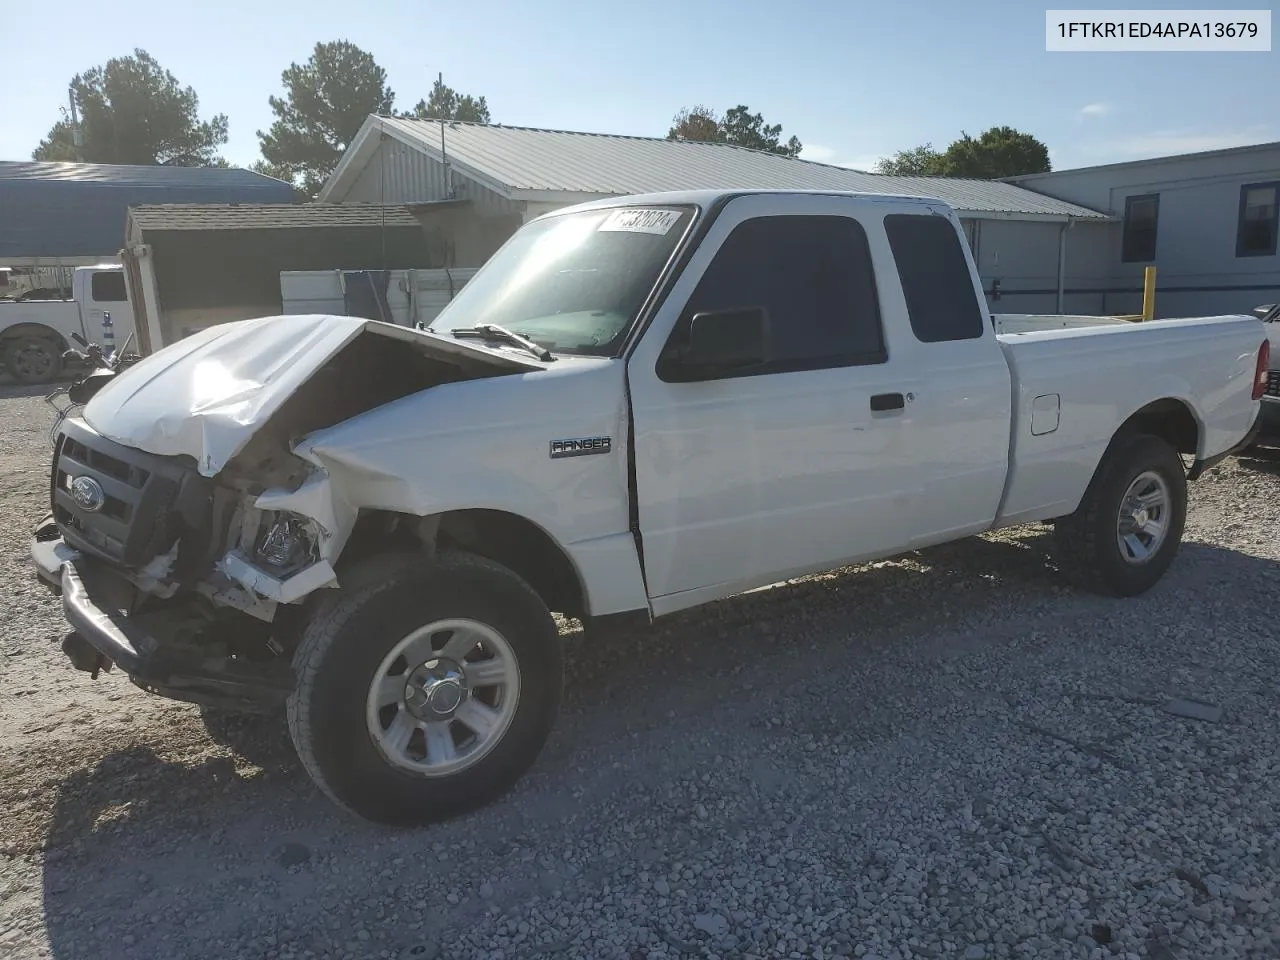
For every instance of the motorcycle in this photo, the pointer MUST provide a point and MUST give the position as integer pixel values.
(104, 366)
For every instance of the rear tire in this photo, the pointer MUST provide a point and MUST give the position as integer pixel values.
(32, 359)
(1128, 527)
(397, 717)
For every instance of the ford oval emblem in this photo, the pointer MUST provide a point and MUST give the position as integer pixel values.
(88, 494)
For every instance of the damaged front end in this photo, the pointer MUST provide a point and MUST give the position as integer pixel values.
(280, 538)
(174, 577)
(187, 551)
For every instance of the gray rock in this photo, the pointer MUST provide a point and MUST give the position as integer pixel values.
(1194, 710)
(712, 924)
(428, 950)
(293, 854)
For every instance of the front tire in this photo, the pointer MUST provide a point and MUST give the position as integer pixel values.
(429, 694)
(33, 359)
(1128, 527)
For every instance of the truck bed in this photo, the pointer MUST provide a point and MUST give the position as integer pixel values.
(1030, 322)
(1097, 376)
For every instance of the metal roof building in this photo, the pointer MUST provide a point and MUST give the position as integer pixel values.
(558, 167)
(475, 184)
(68, 213)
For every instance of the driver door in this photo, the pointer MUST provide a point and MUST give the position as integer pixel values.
(747, 477)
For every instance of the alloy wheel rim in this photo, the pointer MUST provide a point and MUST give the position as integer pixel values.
(1142, 523)
(443, 697)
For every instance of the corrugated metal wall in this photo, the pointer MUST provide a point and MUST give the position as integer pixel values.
(399, 174)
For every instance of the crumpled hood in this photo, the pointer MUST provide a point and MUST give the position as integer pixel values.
(208, 394)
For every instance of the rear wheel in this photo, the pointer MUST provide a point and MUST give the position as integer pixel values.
(1128, 527)
(428, 694)
(32, 359)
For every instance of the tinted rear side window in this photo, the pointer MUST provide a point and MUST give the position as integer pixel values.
(814, 276)
(935, 277)
(108, 287)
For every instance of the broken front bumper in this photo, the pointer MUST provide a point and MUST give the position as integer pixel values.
(93, 597)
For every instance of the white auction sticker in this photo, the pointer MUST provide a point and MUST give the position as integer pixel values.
(1157, 31)
(638, 220)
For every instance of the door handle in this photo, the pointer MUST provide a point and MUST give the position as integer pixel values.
(887, 401)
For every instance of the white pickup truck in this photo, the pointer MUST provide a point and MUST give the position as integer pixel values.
(636, 406)
(34, 334)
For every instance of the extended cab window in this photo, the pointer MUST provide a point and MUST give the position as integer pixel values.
(108, 288)
(813, 276)
(936, 282)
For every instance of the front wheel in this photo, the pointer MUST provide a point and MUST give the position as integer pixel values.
(1128, 527)
(429, 694)
(32, 359)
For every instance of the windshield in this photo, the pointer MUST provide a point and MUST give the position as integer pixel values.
(572, 283)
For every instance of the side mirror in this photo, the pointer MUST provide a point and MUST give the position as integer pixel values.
(722, 341)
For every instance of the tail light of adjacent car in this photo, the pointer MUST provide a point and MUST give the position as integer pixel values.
(1260, 375)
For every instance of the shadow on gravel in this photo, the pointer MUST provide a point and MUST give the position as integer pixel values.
(137, 842)
(261, 739)
(127, 794)
(1262, 459)
(928, 584)
(11, 390)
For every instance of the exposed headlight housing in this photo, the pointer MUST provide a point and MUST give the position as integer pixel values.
(288, 543)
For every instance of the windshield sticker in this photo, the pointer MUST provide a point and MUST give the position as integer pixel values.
(636, 220)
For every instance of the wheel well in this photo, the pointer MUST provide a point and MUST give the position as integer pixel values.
(32, 330)
(1170, 420)
(518, 544)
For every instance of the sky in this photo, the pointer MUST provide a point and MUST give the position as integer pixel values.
(855, 81)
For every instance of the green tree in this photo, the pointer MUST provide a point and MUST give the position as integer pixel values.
(696, 123)
(998, 152)
(921, 161)
(445, 103)
(132, 110)
(738, 126)
(326, 100)
(747, 129)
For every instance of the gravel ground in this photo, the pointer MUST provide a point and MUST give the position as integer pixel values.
(947, 755)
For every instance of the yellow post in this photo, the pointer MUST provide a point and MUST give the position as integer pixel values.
(1149, 294)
